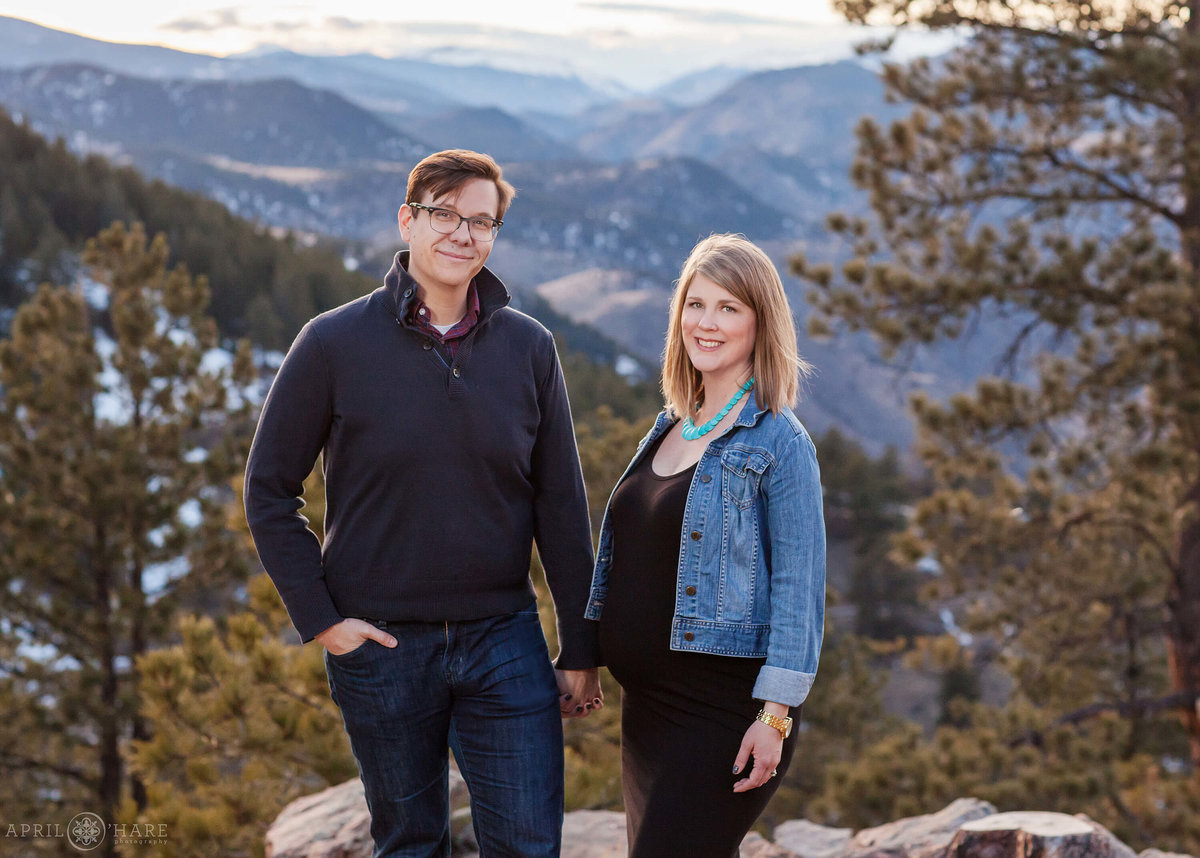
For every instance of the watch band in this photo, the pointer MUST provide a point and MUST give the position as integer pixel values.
(783, 725)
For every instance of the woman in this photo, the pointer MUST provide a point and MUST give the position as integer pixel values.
(710, 577)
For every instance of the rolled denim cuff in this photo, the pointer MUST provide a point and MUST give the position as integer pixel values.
(779, 685)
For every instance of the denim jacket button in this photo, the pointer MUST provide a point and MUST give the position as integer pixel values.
(696, 535)
(706, 478)
(688, 636)
(691, 591)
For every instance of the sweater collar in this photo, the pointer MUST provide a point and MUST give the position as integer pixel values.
(403, 288)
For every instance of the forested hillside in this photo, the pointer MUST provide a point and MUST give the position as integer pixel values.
(263, 286)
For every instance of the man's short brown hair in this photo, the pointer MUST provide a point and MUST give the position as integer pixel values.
(445, 172)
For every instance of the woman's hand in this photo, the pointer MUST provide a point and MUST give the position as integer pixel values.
(765, 744)
(579, 692)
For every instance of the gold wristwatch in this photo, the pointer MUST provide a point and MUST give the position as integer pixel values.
(783, 725)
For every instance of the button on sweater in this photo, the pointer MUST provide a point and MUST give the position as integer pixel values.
(439, 475)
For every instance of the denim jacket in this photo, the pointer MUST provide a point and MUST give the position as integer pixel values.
(751, 578)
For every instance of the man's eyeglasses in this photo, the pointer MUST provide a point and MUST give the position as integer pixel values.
(446, 221)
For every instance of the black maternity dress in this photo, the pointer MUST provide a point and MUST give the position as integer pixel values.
(683, 715)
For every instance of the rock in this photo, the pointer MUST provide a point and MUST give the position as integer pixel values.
(918, 836)
(329, 824)
(462, 834)
(806, 839)
(754, 845)
(335, 823)
(594, 834)
(601, 834)
(1046, 835)
(1106, 838)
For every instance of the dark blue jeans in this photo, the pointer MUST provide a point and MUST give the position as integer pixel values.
(484, 688)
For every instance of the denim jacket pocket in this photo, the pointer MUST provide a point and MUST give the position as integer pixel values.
(742, 469)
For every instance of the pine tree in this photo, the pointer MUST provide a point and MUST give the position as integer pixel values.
(1048, 178)
(115, 459)
(243, 724)
(242, 719)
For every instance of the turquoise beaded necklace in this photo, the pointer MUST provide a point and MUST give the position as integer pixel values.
(691, 432)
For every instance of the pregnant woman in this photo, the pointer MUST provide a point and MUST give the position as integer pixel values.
(710, 577)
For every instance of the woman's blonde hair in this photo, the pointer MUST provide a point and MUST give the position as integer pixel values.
(739, 267)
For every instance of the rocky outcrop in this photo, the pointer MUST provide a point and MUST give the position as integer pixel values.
(335, 824)
(806, 839)
(329, 824)
(594, 834)
(919, 836)
(757, 846)
(1048, 835)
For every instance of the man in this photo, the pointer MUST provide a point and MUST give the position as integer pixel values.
(448, 449)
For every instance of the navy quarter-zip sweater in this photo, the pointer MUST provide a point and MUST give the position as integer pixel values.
(439, 474)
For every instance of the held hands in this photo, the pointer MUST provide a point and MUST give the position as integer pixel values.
(765, 744)
(350, 634)
(579, 692)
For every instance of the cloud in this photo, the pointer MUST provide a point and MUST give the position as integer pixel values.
(284, 27)
(217, 19)
(691, 16)
(348, 25)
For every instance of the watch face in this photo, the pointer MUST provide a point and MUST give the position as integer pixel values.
(787, 727)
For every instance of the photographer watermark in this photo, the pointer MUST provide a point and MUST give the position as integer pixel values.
(88, 831)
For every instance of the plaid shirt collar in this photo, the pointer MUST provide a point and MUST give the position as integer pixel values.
(419, 316)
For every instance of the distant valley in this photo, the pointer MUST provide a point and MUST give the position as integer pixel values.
(613, 188)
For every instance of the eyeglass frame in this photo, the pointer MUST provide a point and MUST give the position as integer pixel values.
(496, 224)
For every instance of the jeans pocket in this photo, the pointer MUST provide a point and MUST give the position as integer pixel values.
(346, 657)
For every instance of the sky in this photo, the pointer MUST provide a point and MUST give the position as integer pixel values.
(630, 41)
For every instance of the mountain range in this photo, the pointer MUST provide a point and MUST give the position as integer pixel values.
(612, 191)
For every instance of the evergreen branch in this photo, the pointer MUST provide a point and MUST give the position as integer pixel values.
(1050, 94)
(37, 615)
(1007, 364)
(13, 671)
(1183, 700)
(1131, 818)
(1095, 41)
(21, 763)
(1118, 193)
(1092, 517)
(304, 699)
(1105, 180)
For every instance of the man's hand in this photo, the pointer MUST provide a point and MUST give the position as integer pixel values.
(350, 634)
(579, 692)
